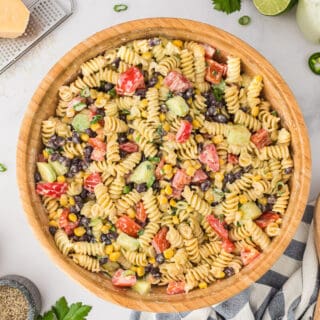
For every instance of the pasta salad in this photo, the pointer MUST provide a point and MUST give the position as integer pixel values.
(164, 165)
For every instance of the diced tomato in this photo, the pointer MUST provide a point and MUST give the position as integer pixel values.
(209, 156)
(129, 81)
(91, 181)
(66, 224)
(227, 245)
(176, 193)
(180, 179)
(129, 147)
(159, 242)
(99, 149)
(248, 255)
(128, 226)
(51, 189)
(93, 108)
(261, 138)
(124, 278)
(199, 176)
(176, 287)
(141, 214)
(177, 82)
(97, 155)
(232, 158)
(218, 226)
(209, 51)
(158, 171)
(266, 219)
(184, 131)
(215, 71)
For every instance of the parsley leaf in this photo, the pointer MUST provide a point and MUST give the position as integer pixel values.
(96, 118)
(227, 6)
(61, 308)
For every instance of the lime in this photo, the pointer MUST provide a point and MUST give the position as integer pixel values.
(274, 7)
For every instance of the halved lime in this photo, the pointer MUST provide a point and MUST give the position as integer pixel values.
(274, 7)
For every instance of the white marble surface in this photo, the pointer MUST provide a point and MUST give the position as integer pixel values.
(277, 38)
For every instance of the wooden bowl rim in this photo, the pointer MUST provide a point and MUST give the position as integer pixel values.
(220, 290)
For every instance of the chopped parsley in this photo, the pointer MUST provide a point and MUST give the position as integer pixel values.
(227, 6)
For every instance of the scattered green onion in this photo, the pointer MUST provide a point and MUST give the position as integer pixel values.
(3, 168)
(137, 139)
(280, 188)
(112, 92)
(238, 224)
(85, 93)
(126, 189)
(244, 20)
(140, 232)
(154, 159)
(79, 106)
(125, 111)
(49, 150)
(221, 217)
(160, 131)
(274, 113)
(96, 119)
(120, 7)
(170, 95)
(314, 63)
(218, 90)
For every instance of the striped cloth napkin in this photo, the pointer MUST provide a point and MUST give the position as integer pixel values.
(288, 291)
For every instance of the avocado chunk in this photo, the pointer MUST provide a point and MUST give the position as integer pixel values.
(144, 173)
(239, 136)
(81, 122)
(178, 106)
(250, 211)
(142, 287)
(127, 242)
(46, 172)
(59, 168)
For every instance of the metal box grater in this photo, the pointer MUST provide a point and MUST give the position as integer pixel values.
(45, 16)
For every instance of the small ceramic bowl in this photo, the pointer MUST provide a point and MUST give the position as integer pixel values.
(28, 289)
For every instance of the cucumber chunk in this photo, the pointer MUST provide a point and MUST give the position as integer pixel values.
(239, 136)
(250, 211)
(127, 242)
(59, 168)
(81, 122)
(111, 266)
(144, 173)
(178, 106)
(46, 172)
(142, 287)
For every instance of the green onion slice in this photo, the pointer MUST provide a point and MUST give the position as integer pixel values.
(244, 20)
(3, 168)
(120, 7)
(314, 63)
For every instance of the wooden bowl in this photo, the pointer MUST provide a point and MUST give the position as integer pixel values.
(43, 105)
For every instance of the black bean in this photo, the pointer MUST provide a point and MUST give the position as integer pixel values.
(160, 258)
(131, 131)
(154, 42)
(141, 187)
(229, 271)
(89, 231)
(229, 177)
(112, 235)
(247, 169)
(148, 268)
(272, 199)
(91, 196)
(37, 177)
(205, 185)
(105, 239)
(156, 185)
(288, 170)
(122, 138)
(90, 101)
(85, 238)
(141, 92)
(220, 118)
(262, 207)
(84, 194)
(100, 112)
(87, 151)
(108, 86)
(54, 156)
(53, 230)
(84, 221)
(122, 153)
(73, 209)
(115, 63)
(163, 108)
(74, 238)
(211, 111)
(188, 118)
(188, 94)
(153, 81)
(200, 147)
(143, 157)
(103, 260)
(123, 117)
(90, 133)
(238, 174)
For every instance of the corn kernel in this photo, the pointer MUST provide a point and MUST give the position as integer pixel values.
(199, 138)
(173, 203)
(95, 126)
(257, 178)
(79, 231)
(100, 102)
(255, 111)
(168, 190)
(66, 119)
(114, 256)
(221, 162)
(175, 220)
(152, 260)
(169, 175)
(129, 117)
(219, 176)
(162, 117)
(197, 165)
(217, 139)
(108, 249)
(263, 201)
(158, 85)
(219, 274)
(177, 43)
(72, 201)
(53, 223)
(64, 200)
(166, 126)
(144, 103)
(189, 101)
(167, 168)
(61, 179)
(147, 55)
(196, 124)
(130, 137)
(212, 175)
(243, 199)
(45, 154)
(72, 217)
(133, 268)
(197, 91)
(144, 114)
(140, 271)
(203, 285)
(168, 253)
(93, 94)
(269, 176)
(105, 228)
(162, 200)
(258, 77)
(131, 213)
(191, 171)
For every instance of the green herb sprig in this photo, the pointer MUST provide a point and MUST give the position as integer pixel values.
(227, 6)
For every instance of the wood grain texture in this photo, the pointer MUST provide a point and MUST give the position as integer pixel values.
(317, 243)
(43, 105)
